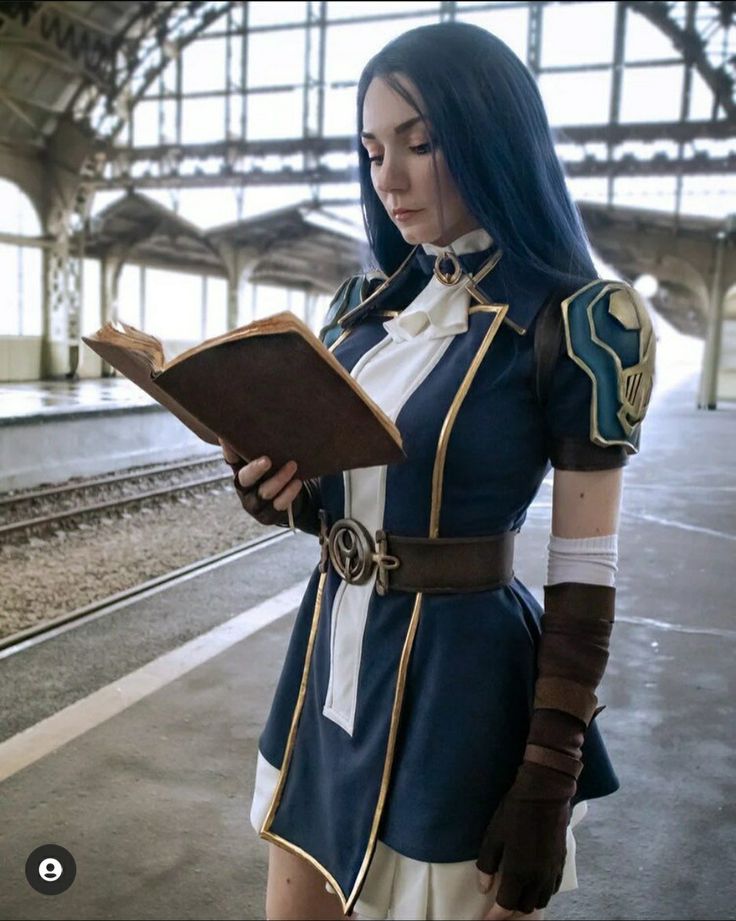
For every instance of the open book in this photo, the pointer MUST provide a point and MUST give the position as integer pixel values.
(271, 387)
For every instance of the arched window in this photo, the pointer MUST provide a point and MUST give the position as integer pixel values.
(20, 263)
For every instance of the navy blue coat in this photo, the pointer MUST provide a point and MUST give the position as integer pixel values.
(446, 682)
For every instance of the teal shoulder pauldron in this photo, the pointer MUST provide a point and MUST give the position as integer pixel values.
(609, 334)
(351, 292)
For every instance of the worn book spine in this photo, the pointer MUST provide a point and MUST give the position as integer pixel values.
(138, 370)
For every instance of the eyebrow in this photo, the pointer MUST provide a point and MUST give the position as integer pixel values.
(399, 129)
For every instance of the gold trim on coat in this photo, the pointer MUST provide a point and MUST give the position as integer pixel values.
(382, 287)
(439, 461)
(390, 746)
(347, 903)
(288, 751)
(488, 266)
(345, 333)
(476, 293)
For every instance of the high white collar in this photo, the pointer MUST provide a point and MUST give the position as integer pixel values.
(474, 241)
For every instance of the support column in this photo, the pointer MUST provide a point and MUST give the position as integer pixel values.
(64, 205)
(110, 268)
(708, 392)
(61, 310)
(233, 262)
(233, 285)
(310, 308)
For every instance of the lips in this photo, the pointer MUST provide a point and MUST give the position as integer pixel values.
(397, 212)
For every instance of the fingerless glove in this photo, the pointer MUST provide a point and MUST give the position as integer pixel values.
(305, 508)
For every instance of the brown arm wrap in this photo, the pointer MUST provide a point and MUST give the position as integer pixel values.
(528, 830)
(573, 652)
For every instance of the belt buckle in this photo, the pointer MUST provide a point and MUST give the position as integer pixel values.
(351, 551)
(385, 562)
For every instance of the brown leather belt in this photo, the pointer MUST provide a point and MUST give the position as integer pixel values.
(433, 565)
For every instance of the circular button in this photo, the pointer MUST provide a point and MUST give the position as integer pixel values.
(50, 869)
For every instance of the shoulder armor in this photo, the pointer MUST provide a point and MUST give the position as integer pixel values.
(351, 292)
(609, 334)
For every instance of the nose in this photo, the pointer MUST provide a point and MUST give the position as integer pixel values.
(390, 176)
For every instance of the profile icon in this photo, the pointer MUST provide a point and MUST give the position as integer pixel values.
(50, 869)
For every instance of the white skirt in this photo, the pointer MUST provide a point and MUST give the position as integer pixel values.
(399, 888)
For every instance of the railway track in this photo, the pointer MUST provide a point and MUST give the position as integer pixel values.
(16, 642)
(38, 511)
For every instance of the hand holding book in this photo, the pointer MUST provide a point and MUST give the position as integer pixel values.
(269, 388)
(264, 499)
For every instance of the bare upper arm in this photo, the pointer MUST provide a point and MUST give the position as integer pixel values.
(586, 503)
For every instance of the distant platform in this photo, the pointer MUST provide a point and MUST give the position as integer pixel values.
(39, 400)
(52, 431)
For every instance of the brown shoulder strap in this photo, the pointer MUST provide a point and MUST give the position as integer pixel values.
(548, 343)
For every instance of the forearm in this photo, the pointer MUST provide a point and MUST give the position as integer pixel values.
(579, 602)
(528, 830)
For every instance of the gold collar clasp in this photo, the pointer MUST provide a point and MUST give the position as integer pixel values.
(448, 278)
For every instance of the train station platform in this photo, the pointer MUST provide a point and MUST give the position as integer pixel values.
(131, 740)
(51, 431)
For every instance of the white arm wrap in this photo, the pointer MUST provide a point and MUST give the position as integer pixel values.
(582, 559)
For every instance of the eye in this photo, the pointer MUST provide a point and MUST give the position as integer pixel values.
(419, 149)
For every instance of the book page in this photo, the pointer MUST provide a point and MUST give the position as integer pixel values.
(136, 358)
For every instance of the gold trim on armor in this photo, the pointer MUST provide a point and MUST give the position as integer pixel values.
(437, 478)
(635, 382)
(628, 379)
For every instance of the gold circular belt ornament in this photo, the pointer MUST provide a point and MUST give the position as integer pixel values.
(351, 550)
(448, 278)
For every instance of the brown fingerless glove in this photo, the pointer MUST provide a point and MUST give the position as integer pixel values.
(528, 831)
(305, 508)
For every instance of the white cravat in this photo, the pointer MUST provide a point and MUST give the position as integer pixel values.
(440, 310)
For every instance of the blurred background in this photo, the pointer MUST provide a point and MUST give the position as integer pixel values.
(190, 166)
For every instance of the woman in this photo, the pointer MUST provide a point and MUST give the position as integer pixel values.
(429, 723)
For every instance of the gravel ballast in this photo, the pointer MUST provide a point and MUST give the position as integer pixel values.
(42, 578)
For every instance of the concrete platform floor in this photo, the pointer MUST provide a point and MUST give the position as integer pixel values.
(143, 769)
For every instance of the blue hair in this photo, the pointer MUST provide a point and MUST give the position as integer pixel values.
(486, 114)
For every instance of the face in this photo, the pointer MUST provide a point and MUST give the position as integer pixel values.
(402, 171)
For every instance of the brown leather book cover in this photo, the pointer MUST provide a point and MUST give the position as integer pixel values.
(271, 387)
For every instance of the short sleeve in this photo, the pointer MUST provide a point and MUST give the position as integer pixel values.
(602, 382)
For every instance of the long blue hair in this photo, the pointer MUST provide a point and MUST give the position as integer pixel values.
(486, 114)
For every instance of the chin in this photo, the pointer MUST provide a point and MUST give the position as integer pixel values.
(414, 235)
